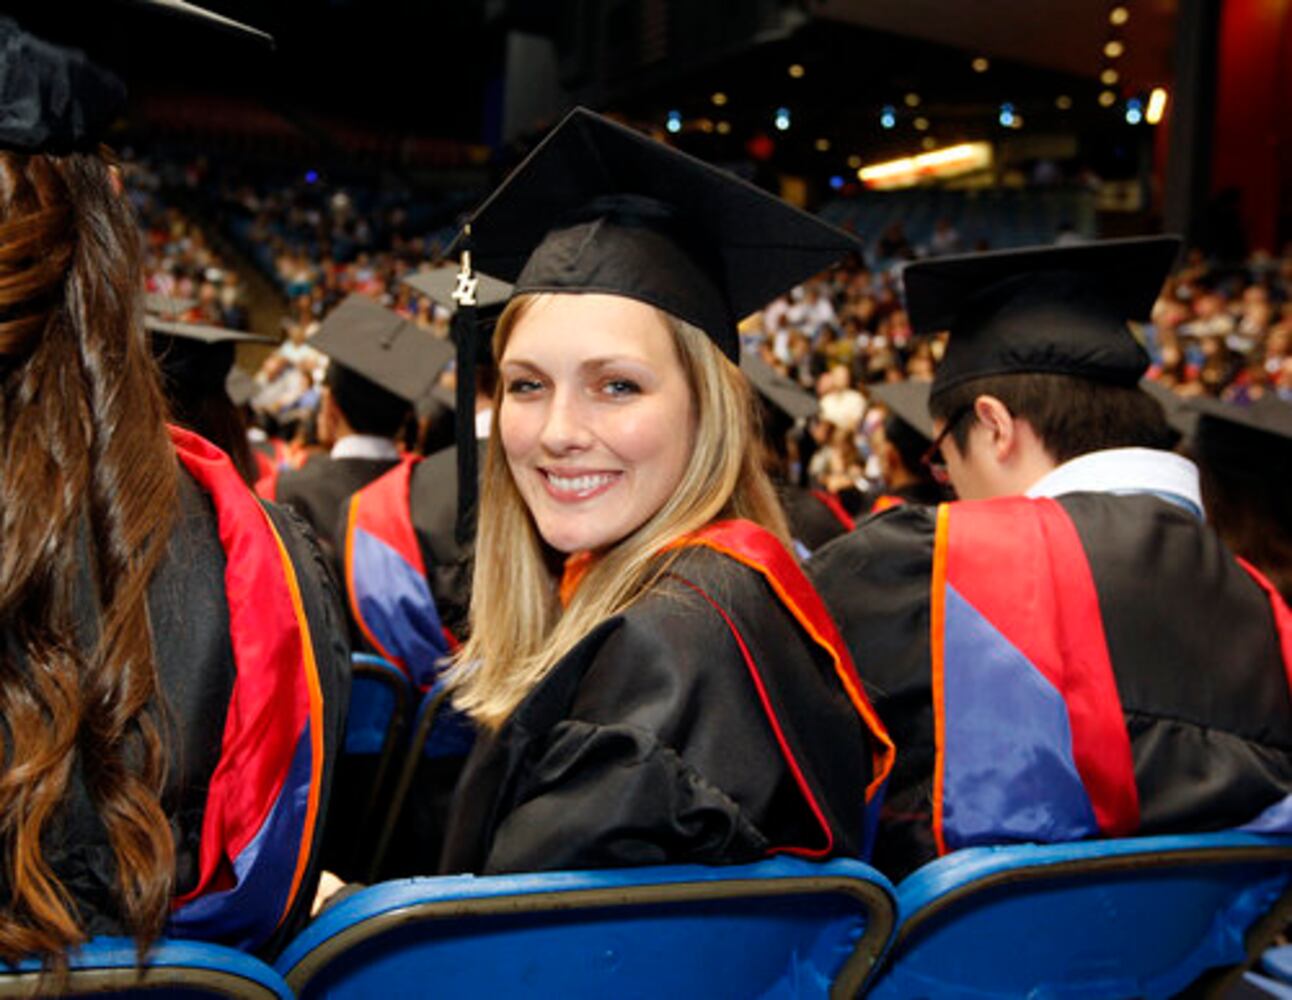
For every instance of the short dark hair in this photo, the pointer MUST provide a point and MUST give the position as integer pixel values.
(1072, 416)
(367, 407)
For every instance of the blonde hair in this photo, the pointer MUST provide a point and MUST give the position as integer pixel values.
(518, 629)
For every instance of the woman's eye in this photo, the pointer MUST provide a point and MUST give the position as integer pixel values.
(621, 387)
(523, 386)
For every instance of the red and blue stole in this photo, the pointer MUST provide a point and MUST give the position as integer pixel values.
(758, 549)
(1031, 740)
(385, 578)
(262, 804)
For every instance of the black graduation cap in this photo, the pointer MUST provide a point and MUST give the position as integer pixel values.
(54, 97)
(1181, 417)
(1055, 309)
(1256, 437)
(908, 402)
(781, 392)
(438, 284)
(195, 356)
(599, 207)
(383, 347)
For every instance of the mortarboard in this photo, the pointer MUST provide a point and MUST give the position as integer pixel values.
(781, 392)
(381, 346)
(1180, 415)
(438, 283)
(1060, 310)
(53, 96)
(908, 402)
(194, 356)
(167, 306)
(599, 207)
(1256, 438)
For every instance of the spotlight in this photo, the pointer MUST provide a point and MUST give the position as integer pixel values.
(1007, 115)
(674, 123)
(1134, 111)
(888, 117)
(1156, 106)
(782, 119)
(836, 182)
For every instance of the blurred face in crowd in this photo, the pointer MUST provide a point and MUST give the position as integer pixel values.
(596, 418)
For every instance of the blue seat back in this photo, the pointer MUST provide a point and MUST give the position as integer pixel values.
(1136, 917)
(106, 966)
(780, 928)
(379, 696)
(451, 734)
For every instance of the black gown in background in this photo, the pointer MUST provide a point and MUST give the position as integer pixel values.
(1190, 636)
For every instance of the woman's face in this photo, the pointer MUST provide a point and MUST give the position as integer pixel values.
(596, 418)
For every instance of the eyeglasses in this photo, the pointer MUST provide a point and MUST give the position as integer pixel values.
(932, 458)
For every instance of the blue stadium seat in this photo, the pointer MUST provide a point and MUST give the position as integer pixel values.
(183, 969)
(441, 739)
(375, 739)
(1277, 963)
(1141, 917)
(778, 928)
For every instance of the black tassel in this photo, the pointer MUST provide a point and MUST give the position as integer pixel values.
(464, 336)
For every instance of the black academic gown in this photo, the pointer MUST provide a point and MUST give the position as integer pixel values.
(194, 654)
(648, 743)
(318, 490)
(1191, 639)
(812, 521)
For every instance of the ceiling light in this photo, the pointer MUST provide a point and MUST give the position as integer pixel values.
(1108, 77)
(1063, 102)
(912, 100)
(980, 65)
(1114, 49)
(822, 145)
(797, 71)
(718, 98)
(1107, 99)
(921, 124)
(1156, 106)
(724, 128)
(1119, 15)
(854, 161)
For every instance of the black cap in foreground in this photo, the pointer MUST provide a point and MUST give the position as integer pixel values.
(386, 349)
(1058, 310)
(908, 402)
(599, 207)
(56, 98)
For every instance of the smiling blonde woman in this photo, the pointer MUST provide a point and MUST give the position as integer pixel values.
(655, 679)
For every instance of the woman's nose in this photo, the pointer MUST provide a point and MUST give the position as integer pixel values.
(565, 428)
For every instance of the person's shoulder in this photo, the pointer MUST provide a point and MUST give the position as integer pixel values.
(903, 528)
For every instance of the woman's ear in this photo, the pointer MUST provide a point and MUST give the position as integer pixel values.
(114, 175)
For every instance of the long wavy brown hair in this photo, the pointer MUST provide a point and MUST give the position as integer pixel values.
(88, 495)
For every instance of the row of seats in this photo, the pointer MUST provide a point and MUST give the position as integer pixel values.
(1144, 917)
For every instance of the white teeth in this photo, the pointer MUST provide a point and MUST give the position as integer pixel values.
(579, 484)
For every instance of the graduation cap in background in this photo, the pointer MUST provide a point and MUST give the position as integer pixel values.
(1055, 309)
(195, 358)
(1181, 417)
(599, 207)
(59, 85)
(1254, 439)
(438, 284)
(380, 350)
(908, 402)
(781, 392)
